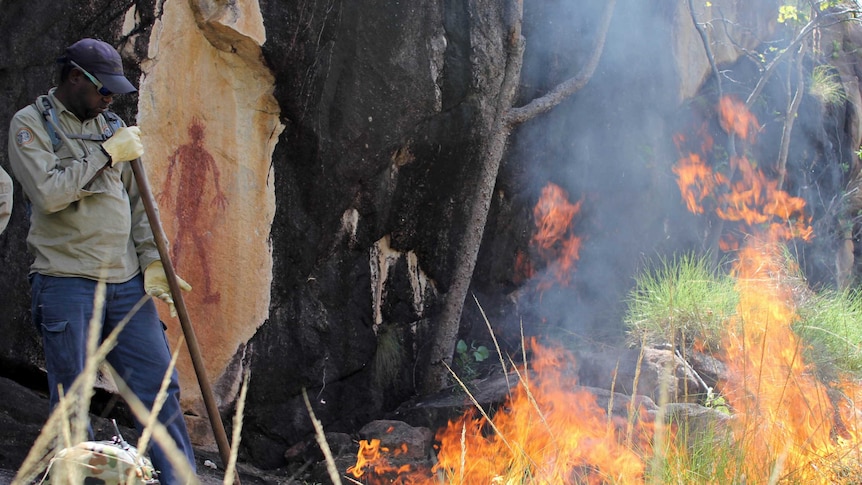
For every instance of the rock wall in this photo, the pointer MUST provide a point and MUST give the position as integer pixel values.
(370, 178)
(732, 27)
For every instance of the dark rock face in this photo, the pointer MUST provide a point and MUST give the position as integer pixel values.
(384, 103)
(378, 101)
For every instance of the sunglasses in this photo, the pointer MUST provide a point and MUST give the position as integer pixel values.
(99, 86)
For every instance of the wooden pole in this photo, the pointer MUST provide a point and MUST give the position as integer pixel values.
(183, 314)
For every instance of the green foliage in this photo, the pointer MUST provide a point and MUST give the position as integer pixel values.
(716, 401)
(467, 357)
(789, 13)
(680, 300)
(473, 352)
(830, 324)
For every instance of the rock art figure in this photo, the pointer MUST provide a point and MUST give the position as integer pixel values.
(195, 164)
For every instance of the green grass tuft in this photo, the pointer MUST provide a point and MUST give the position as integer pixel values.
(825, 85)
(831, 324)
(680, 300)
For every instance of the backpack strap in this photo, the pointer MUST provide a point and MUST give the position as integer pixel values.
(52, 125)
(114, 123)
(49, 114)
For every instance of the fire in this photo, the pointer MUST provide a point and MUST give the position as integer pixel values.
(786, 423)
(746, 195)
(554, 241)
(550, 431)
(786, 426)
(369, 453)
(736, 119)
(697, 181)
(783, 411)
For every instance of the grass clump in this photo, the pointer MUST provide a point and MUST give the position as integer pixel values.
(680, 300)
(686, 298)
(829, 322)
(825, 85)
(708, 456)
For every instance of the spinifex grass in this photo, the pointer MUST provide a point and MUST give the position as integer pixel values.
(825, 85)
(680, 299)
(830, 321)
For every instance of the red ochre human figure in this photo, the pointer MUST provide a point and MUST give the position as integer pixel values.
(194, 163)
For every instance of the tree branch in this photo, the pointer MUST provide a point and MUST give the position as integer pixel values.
(565, 89)
(792, 109)
(770, 68)
(497, 134)
(709, 55)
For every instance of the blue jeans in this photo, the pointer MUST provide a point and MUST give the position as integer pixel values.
(62, 308)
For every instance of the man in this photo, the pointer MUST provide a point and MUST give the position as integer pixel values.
(5, 199)
(88, 224)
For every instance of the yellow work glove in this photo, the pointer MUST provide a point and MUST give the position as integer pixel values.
(125, 145)
(156, 284)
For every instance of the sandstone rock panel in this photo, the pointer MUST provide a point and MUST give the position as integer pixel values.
(210, 124)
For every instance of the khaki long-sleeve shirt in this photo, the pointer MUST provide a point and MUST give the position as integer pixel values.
(87, 218)
(5, 199)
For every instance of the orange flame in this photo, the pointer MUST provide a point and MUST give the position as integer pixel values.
(736, 119)
(549, 431)
(368, 454)
(697, 181)
(554, 239)
(782, 409)
(786, 423)
(746, 196)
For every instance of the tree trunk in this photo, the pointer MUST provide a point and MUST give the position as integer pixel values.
(504, 119)
(491, 152)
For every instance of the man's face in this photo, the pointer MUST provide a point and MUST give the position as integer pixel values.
(86, 101)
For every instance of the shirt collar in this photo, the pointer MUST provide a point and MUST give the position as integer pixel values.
(58, 105)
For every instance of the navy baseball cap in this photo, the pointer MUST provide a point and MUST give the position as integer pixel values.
(102, 61)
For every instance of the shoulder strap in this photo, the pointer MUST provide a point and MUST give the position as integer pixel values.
(114, 123)
(52, 125)
(49, 114)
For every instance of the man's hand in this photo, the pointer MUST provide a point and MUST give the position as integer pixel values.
(156, 284)
(125, 145)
